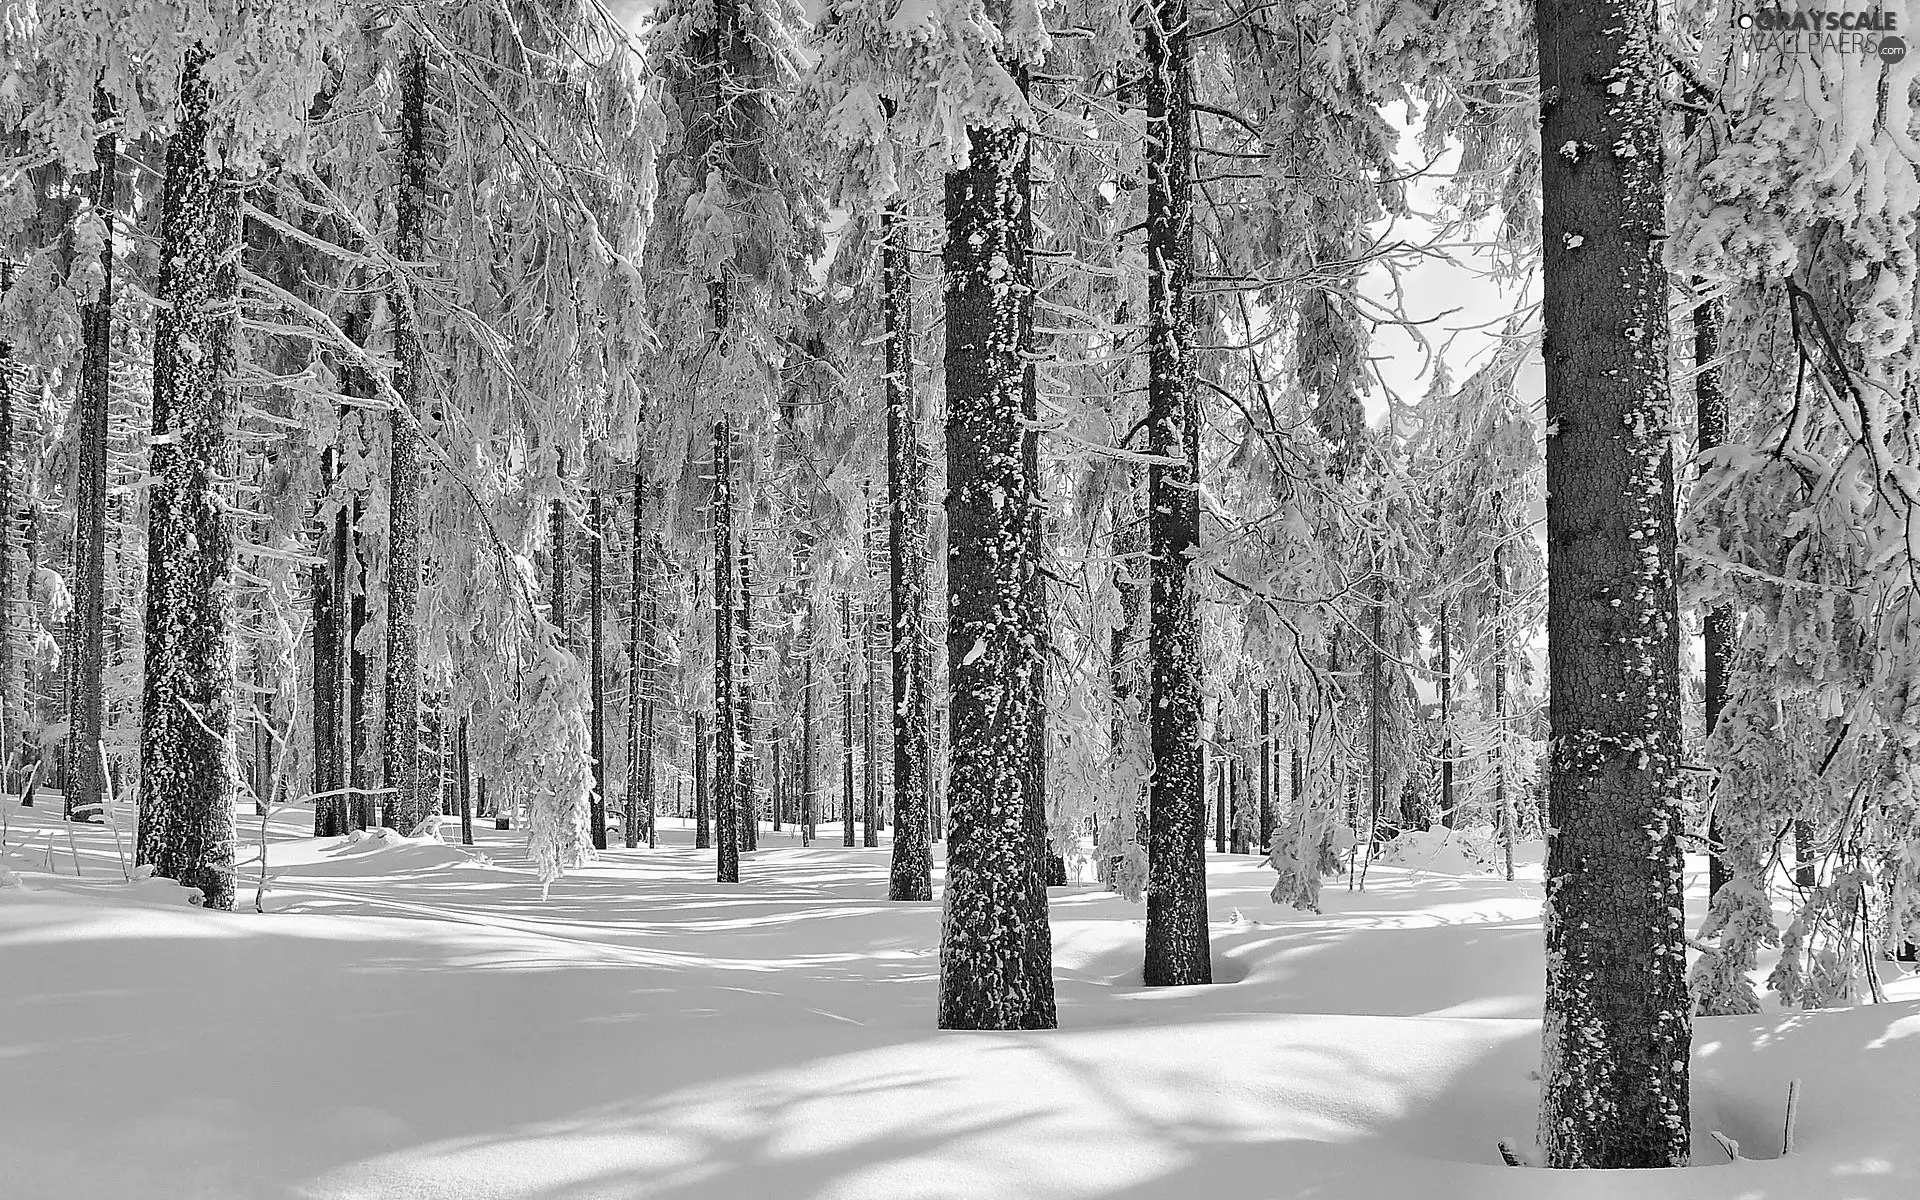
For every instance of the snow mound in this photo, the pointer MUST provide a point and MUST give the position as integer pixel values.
(1437, 851)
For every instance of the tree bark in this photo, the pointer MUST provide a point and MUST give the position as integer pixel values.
(1616, 1037)
(1266, 770)
(1446, 718)
(463, 781)
(85, 794)
(995, 932)
(911, 874)
(702, 821)
(359, 712)
(846, 721)
(330, 813)
(1177, 949)
(639, 674)
(187, 757)
(1717, 624)
(596, 666)
(400, 741)
(726, 700)
(749, 753)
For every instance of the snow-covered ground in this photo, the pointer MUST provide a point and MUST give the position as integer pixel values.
(411, 1020)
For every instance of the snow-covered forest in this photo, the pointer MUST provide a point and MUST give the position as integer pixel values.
(1045, 599)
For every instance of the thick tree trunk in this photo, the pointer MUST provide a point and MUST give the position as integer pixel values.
(1616, 1035)
(1177, 950)
(726, 699)
(1717, 625)
(86, 693)
(596, 666)
(187, 758)
(911, 876)
(400, 741)
(995, 932)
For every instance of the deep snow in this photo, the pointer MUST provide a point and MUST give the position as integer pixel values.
(411, 1020)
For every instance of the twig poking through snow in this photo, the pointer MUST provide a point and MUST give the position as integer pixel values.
(1793, 1111)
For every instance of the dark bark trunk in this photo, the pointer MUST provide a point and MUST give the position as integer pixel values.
(86, 692)
(332, 815)
(1177, 950)
(846, 722)
(1219, 801)
(186, 736)
(400, 740)
(869, 792)
(639, 674)
(1447, 817)
(1266, 770)
(359, 711)
(463, 781)
(1616, 1034)
(726, 700)
(750, 753)
(1376, 715)
(911, 876)
(1717, 625)
(702, 822)
(995, 933)
(596, 666)
(806, 743)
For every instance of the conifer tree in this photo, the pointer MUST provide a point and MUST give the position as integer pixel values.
(1616, 1034)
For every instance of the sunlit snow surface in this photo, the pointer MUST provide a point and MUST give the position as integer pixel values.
(411, 1021)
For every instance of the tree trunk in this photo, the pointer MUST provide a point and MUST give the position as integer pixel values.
(186, 736)
(332, 815)
(750, 754)
(726, 700)
(869, 793)
(911, 876)
(639, 673)
(806, 742)
(1503, 805)
(1717, 626)
(1177, 950)
(463, 781)
(86, 695)
(1446, 718)
(10, 376)
(1220, 762)
(1617, 1041)
(701, 820)
(359, 711)
(1266, 770)
(400, 742)
(995, 927)
(846, 721)
(1376, 703)
(596, 666)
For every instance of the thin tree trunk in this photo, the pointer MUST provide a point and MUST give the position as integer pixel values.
(463, 757)
(1717, 627)
(1502, 799)
(359, 711)
(1220, 762)
(85, 794)
(701, 819)
(806, 743)
(1266, 770)
(869, 794)
(1376, 703)
(186, 736)
(639, 672)
(726, 700)
(750, 754)
(332, 815)
(1177, 950)
(596, 665)
(1617, 1042)
(846, 721)
(995, 932)
(911, 875)
(400, 742)
(1446, 718)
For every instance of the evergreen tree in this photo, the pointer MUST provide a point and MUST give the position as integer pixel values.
(1616, 1033)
